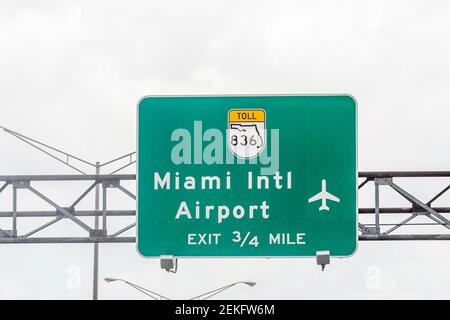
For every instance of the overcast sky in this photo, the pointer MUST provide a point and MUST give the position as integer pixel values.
(71, 73)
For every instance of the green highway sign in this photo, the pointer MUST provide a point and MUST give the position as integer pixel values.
(236, 176)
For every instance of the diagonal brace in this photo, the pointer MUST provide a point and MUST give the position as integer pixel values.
(363, 183)
(46, 225)
(4, 186)
(61, 209)
(402, 223)
(127, 192)
(124, 229)
(414, 200)
(84, 194)
(438, 195)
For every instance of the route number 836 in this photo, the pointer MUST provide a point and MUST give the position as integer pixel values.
(243, 140)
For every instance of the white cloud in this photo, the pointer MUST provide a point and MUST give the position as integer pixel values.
(73, 71)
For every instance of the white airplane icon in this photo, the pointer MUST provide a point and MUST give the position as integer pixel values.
(324, 196)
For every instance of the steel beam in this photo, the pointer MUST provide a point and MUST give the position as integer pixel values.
(402, 210)
(405, 237)
(111, 239)
(76, 213)
(22, 240)
(402, 174)
(69, 177)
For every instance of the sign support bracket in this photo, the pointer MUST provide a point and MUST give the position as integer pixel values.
(169, 263)
(323, 258)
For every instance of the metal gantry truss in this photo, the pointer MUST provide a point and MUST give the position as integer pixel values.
(93, 235)
(393, 229)
(386, 223)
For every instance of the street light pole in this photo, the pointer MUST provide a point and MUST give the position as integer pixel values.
(145, 291)
(206, 295)
(214, 292)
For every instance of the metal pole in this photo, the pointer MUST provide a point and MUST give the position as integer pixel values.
(97, 207)
(104, 208)
(14, 226)
(377, 207)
